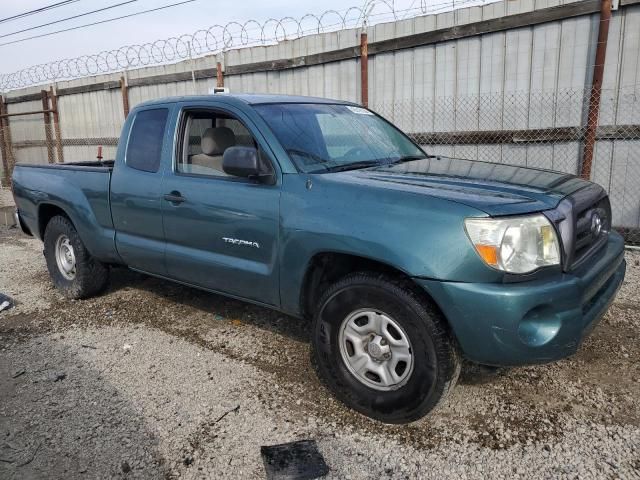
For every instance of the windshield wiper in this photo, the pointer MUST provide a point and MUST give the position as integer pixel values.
(355, 166)
(409, 158)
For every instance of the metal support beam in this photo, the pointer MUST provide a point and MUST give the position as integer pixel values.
(364, 70)
(124, 88)
(219, 75)
(3, 151)
(47, 126)
(7, 153)
(56, 125)
(596, 90)
(20, 114)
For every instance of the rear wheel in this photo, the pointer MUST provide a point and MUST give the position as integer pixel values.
(382, 349)
(72, 269)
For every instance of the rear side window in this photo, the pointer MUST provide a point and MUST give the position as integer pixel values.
(145, 142)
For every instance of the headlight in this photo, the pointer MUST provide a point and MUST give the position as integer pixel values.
(515, 244)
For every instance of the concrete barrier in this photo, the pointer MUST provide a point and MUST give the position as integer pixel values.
(6, 216)
(7, 207)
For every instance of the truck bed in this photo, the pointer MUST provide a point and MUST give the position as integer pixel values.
(80, 190)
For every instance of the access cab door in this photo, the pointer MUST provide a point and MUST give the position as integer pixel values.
(221, 232)
(136, 189)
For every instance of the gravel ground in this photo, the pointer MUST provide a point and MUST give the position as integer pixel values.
(156, 380)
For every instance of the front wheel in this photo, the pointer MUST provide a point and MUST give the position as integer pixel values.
(382, 349)
(72, 268)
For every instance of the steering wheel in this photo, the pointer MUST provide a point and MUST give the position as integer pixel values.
(315, 159)
(357, 152)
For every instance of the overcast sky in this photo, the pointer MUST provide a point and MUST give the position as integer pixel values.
(140, 29)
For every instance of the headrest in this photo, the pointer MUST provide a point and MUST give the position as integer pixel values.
(216, 140)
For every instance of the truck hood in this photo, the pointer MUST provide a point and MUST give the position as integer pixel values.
(494, 188)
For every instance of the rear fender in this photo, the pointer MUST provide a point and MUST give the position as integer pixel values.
(87, 206)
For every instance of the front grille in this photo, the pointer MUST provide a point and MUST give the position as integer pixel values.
(592, 226)
(583, 220)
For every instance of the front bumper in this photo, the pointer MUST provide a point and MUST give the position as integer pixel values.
(531, 322)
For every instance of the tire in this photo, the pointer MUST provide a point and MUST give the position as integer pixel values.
(429, 375)
(88, 277)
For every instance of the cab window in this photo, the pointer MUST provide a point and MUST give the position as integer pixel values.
(144, 149)
(205, 138)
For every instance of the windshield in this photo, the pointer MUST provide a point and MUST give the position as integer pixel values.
(323, 137)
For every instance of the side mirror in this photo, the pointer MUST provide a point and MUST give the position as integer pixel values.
(244, 162)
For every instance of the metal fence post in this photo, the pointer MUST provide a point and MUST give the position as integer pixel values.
(47, 125)
(193, 72)
(3, 148)
(6, 139)
(56, 124)
(124, 88)
(596, 90)
(219, 75)
(364, 70)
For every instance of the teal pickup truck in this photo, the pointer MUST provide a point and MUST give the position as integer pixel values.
(405, 262)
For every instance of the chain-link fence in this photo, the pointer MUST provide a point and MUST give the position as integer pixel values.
(42, 146)
(550, 130)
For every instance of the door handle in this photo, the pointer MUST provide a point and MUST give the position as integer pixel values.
(174, 197)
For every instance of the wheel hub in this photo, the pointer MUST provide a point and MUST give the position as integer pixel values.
(375, 349)
(65, 257)
(378, 348)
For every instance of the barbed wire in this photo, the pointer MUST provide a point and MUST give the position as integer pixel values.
(219, 38)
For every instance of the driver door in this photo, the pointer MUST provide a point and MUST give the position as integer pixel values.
(221, 232)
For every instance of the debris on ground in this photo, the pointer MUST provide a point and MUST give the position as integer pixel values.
(57, 376)
(5, 302)
(299, 460)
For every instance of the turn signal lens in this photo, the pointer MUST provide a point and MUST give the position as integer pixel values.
(489, 254)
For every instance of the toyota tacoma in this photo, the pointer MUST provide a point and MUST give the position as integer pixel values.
(404, 262)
